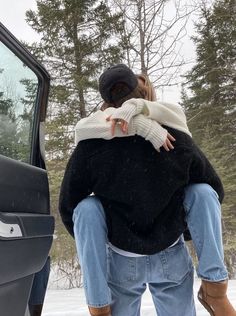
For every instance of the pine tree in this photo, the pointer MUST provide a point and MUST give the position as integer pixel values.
(77, 42)
(8, 128)
(211, 107)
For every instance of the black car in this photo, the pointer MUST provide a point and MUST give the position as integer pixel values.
(26, 226)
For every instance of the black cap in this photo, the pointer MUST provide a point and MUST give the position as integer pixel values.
(117, 74)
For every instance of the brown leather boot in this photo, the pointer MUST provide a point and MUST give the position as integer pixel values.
(212, 295)
(100, 311)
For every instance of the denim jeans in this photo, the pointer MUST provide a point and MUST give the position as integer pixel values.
(204, 222)
(39, 285)
(168, 274)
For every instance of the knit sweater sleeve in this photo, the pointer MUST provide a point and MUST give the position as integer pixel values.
(96, 126)
(150, 130)
(75, 186)
(164, 113)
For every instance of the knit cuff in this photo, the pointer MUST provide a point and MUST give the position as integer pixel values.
(151, 131)
(157, 135)
(128, 110)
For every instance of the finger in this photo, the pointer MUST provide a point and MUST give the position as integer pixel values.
(169, 144)
(113, 126)
(108, 118)
(165, 147)
(122, 126)
(125, 127)
(169, 136)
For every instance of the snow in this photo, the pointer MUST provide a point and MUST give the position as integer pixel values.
(72, 302)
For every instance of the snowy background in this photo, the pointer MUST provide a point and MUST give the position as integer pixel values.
(72, 302)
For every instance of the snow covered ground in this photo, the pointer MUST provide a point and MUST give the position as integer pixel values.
(72, 302)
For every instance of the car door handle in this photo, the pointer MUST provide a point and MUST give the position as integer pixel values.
(25, 225)
(10, 230)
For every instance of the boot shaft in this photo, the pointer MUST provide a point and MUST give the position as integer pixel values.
(100, 311)
(213, 296)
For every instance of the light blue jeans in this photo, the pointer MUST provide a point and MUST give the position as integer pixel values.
(110, 278)
(168, 274)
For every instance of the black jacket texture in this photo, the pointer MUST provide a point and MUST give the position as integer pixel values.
(141, 190)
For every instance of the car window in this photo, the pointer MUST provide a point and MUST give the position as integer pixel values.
(18, 93)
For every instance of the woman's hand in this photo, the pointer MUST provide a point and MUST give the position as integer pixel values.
(123, 125)
(168, 143)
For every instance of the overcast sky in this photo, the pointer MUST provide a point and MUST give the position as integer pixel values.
(12, 15)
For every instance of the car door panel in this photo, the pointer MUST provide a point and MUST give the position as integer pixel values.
(14, 266)
(26, 226)
(25, 237)
(23, 187)
(11, 293)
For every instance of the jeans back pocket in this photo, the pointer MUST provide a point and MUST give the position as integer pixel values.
(176, 262)
(121, 269)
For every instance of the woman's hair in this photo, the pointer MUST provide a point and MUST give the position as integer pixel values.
(148, 86)
(144, 90)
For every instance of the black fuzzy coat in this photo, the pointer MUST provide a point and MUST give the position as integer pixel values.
(141, 190)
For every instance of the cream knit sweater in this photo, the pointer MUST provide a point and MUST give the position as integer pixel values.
(143, 117)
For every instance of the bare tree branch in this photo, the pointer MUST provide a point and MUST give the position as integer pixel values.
(155, 29)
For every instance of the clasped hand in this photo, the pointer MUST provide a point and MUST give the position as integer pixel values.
(124, 126)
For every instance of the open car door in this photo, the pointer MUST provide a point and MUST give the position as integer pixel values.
(26, 227)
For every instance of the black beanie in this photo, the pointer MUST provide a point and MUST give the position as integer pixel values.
(117, 74)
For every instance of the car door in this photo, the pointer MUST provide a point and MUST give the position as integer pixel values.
(26, 226)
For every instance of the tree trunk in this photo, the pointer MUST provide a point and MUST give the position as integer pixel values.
(79, 74)
(140, 5)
